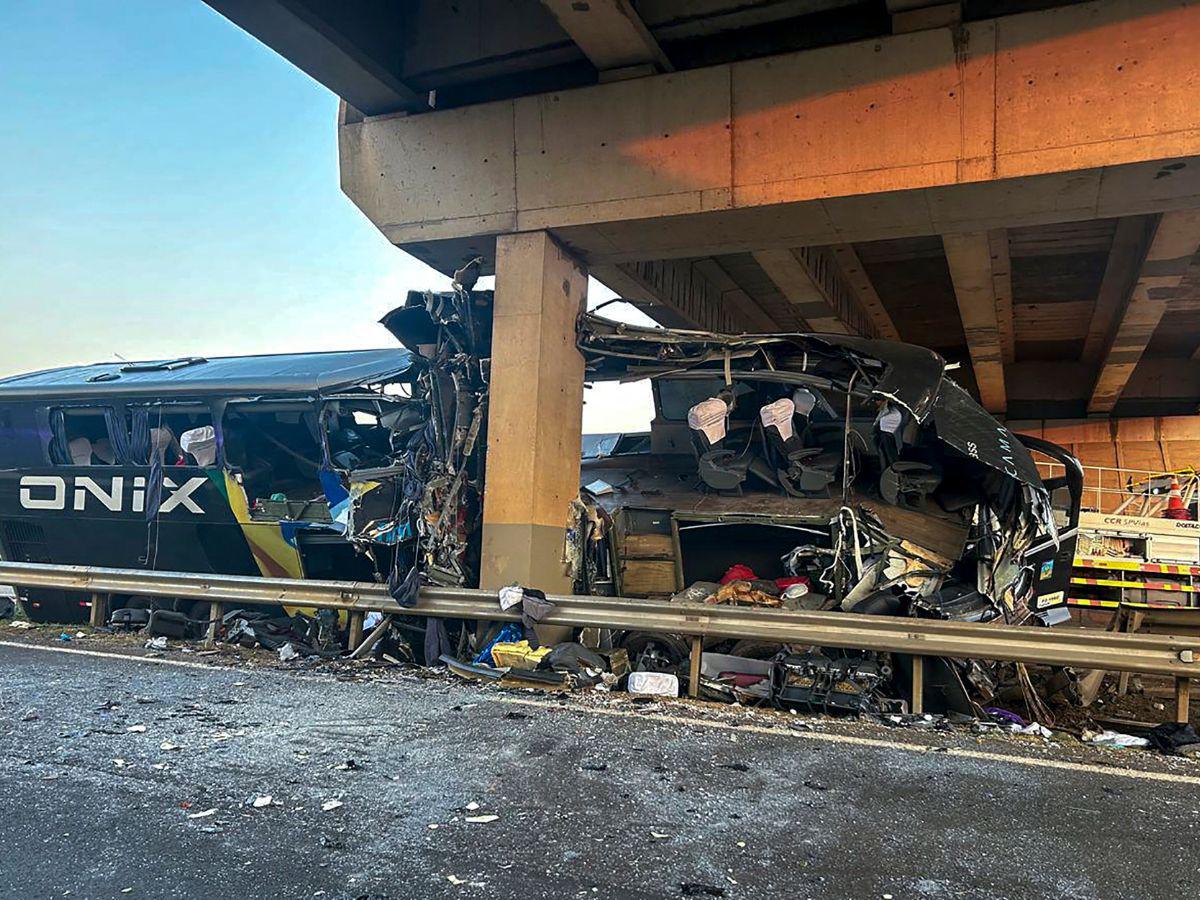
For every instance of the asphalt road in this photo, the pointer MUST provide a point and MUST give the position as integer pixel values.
(621, 801)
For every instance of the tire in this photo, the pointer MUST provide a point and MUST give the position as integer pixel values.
(47, 605)
(671, 646)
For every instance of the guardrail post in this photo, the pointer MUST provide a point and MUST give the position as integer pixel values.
(918, 685)
(1183, 698)
(356, 630)
(694, 668)
(216, 612)
(99, 614)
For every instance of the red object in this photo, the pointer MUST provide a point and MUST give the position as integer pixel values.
(784, 583)
(738, 572)
(1175, 508)
(742, 679)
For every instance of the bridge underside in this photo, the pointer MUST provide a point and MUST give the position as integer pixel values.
(1014, 183)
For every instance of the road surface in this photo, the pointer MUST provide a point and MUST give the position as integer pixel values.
(108, 768)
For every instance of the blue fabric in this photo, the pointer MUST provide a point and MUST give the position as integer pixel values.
(510, 632)
(118, 436)
(60, 452)
(154, 488)
(336, 496)
(139, 437)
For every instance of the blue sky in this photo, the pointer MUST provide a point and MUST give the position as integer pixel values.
(169, 186)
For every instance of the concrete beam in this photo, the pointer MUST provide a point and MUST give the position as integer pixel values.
(811, 281)
(342, 56)
(535, 413)
(859, 282)
(969, 257)
(1176, 240)
(939, 131)
(1003, 292)
(1130, 242)
(675, 294)
(920, 15)
(610, 33)
(733, 297)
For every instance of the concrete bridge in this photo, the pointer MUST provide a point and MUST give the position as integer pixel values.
(1011, 182)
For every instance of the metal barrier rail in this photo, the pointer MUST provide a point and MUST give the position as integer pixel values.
(1172, 655)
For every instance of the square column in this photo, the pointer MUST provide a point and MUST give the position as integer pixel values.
(535, 413)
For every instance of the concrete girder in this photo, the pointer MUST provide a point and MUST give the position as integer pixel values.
(947, 130)
(969, 257)
(1176, 240)
(810, 279)
(1129, 245)
(868, 298)
(1003, 292)
(610, 33)
(343, 60)
(734, 297)
(676, 294)
(919, 15)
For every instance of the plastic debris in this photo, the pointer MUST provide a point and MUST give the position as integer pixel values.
(167, 745)
(331, 805)
(136, 729)
(203, 815)
(653, 684)
(288, 652)
(259, 801)
(158, 643)
(1108, 738)
(482, 820)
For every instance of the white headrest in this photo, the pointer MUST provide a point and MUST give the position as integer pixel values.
(201, 443)
(81, 451)
(779, 416)
(708, 417)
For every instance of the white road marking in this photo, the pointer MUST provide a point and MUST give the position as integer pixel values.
(877, 743)
(157, 660)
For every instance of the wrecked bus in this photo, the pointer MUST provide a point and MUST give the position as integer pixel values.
(798, 471)
(313, 465)
(818, 472)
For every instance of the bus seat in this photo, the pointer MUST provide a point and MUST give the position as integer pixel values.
(201, 443)
(81, 451)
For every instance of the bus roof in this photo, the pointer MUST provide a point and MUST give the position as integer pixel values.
(285, 373)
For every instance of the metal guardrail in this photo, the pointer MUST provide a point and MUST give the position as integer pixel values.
(1171, 655)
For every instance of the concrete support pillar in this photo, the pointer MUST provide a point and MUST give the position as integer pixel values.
(535, 413)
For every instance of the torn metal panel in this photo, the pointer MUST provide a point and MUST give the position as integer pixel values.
(903, 496)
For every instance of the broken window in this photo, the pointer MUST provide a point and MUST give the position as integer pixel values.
(369, 432)
(178, 434)
(274, 447)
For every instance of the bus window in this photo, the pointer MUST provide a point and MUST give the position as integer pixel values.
(80, 437)
(273, 446)
(180, 434)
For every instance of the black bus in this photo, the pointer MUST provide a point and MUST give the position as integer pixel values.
(236, 465)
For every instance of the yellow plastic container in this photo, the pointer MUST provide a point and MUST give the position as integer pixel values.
(517, 655)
